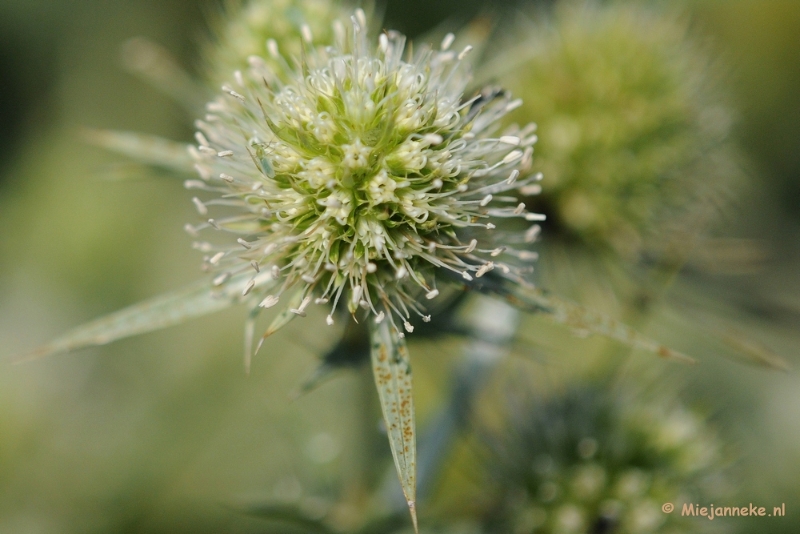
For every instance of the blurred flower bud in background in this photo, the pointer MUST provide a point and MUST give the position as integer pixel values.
(633, 122)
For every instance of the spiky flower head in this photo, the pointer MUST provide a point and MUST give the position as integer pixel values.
(635, 132)
(357, 172)
(246, 25)
(591, 460)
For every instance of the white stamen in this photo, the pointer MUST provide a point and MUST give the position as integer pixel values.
(432, 294)
(490, 226)
(233, 93)
(379, 318)
(220, 279)
(466, 276)
(216, 257)
(496, 252)
(510, 140)
(463, 54)
(201, 139)
(525, 255)
(305, 31)
(329, 320)
(269, 301)
(191, 230)
(514, 104)
(535, 217)
(401, 273)
(201, 208)
(485, 268)
(471, 246)
(203, 170)
(426, 318)
(214, 224)
(485, 200)
(275, 271)
(433, 139)
(225, 153)
(512, 156)
(408, 327)
(308, 279)
(532, 233)
(512, 177)
(226, 177)
(530, 190)
(250, 285)
(244, 243)
(447, 41)
(371, 267)
(272, 48)
(519, 209)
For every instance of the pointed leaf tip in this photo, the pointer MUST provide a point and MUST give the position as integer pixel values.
(391, 367)
(149, 315)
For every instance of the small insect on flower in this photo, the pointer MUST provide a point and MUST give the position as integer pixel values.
(355, 175)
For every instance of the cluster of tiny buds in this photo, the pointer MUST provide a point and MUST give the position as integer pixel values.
(358, 175)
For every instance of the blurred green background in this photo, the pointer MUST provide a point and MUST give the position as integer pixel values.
(165, 433)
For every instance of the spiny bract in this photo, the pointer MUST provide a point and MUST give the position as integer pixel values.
(357, 172)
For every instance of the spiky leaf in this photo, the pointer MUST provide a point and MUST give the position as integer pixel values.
(150, 150)
(149, 315)
(582, 319)
(392, 369)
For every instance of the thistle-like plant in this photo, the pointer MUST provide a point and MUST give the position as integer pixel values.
(635, 129)
(357, 176)
(596, 459)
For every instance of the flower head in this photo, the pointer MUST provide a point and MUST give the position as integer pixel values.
(245, 25)
(635, 134)
(356, 173)
(590, 460)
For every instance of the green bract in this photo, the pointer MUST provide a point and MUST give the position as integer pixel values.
(355, 173)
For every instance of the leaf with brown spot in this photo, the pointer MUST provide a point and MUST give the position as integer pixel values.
(392, 369)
